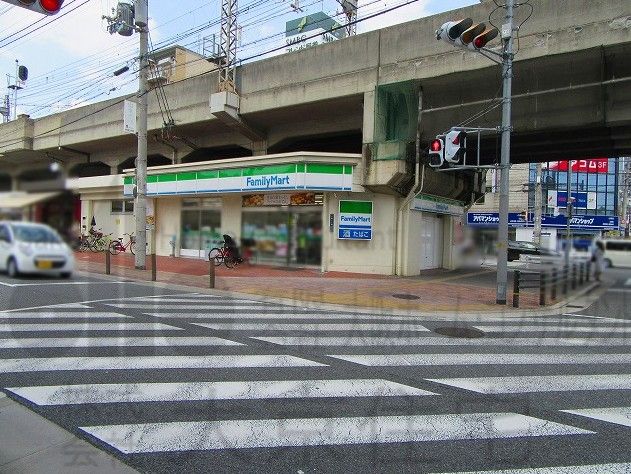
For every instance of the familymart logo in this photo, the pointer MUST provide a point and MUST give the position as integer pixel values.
(267, 182)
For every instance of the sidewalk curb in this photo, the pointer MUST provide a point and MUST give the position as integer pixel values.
(506, 311)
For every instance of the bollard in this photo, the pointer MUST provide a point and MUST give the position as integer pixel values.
(565, 277)
(574, 276)
(581, 273)
(154, 269)
(211, 272)
(588, 272)
(516, 275)
(542, 289)
(553, 285)
(108, 263)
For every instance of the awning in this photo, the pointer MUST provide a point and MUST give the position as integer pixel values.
(19, 200)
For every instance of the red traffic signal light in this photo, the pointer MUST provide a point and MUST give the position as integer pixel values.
(483, 38)
(47, 7)
(437, 152)
(466, 33)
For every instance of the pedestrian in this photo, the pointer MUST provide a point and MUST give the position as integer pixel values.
(598, 254)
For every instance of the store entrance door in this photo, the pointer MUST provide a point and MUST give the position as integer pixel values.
(201, 227)
(431, 242)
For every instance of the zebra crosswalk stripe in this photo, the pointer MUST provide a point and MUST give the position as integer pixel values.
(170, 307)
(616, 415)
(247, 390)
(560, 328)
(152, 362)
(238, 434)
(122, 341)
(60, 314)
(618, 468)
(295, 326)
(396, 360)
(86, 326)
(539, 383)
(359, 341)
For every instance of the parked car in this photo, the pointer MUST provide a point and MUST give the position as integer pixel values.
(33, 249)
(517, 248)
(617, 252)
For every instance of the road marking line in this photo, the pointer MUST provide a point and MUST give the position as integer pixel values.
(170, 307)
(621, 468)
(87, 326)
(214, 301)
(619, 290)
(356, 341)
(7, 284)
(600, 318)
(247, 390)
(50, 315)
(563, 328)
(616, 415)
(58, 283)
(538, 384)
(398, 360)
(239, 434)
(152, 362)
(294, 326)
(122, 341)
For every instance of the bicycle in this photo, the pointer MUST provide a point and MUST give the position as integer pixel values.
(224, 255)
(117, 246)
(98, 241)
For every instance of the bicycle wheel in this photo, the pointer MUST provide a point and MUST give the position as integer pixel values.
(217, 254)
(229, 260)
(115, 247)
(98, 245)
(133, 248)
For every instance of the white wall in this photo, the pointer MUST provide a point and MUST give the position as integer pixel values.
(375, 256)
(168, 224)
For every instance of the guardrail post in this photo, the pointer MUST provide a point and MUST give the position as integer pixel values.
(553, 285)
(108, 263)
(211, 272)
(154, 265)
(542, 289)
(516, 276)
(574, 272)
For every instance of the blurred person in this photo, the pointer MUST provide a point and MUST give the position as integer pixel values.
(598, 254)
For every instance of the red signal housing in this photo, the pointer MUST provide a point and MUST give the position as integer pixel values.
(51, 6)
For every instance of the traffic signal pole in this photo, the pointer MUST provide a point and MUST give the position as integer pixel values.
(140, 206)
(507, 74)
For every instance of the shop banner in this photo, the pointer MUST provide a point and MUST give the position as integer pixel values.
(581, 200)
(355, 220)
(595, 165)
(587, 222)
(492, 219)
(300, 176)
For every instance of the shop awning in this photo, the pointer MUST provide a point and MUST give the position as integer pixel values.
(18, 200)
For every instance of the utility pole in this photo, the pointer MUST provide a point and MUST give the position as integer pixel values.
(140, 204)
(538, 206)
(507, 74)
(568, 212)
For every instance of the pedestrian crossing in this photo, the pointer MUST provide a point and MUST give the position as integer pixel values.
(196, 374)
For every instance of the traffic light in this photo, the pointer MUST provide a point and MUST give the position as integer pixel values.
(437, 152)
(47, 7)
(455, 146)
(466, 34)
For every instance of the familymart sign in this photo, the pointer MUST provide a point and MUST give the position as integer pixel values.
(299, 176)
(355, 220)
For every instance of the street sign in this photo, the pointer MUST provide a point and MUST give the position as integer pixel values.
(355, 220)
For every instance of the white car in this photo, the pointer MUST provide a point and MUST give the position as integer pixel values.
(33, 248)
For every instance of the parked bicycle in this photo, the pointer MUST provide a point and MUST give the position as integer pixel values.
(96, 241)
(117, 246)
(226, 255)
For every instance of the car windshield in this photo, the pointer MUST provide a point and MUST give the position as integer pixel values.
(35, 234)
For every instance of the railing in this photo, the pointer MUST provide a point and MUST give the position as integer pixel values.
(550, 283)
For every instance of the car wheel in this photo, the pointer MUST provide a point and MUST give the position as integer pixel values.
(65, 275)
(608, 263)
(12, 268)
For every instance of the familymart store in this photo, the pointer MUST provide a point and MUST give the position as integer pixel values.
(273, 206)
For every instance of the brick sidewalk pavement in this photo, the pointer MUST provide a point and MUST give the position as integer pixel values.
(440, 293)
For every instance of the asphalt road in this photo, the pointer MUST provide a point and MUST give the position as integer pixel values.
(170, 381)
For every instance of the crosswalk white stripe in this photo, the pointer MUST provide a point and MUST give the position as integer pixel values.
(396, 360)
(599, 318)
(539, 383)
(563, 328)
(357, 341)
(170, 307)
(122, 341)
(61, 314)
(619, 468)
(294, 326)
(182, 295)
(152, 362)
(86, 326)
(619, 290)
(248, 390)
(199, 301)
(616, 415)
(231, 434)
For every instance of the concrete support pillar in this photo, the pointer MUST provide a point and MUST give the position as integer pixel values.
(15, 181)
(368, 128)
(259, 148)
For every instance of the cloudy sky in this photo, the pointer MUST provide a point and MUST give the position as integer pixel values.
(71, 57)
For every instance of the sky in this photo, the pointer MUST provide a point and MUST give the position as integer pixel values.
(71, 60)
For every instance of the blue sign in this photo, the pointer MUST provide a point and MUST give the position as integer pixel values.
(580, 200)
(491, 219)
(356, 234)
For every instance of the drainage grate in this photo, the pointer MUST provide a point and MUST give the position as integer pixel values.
(406, 296)
(468, 333)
